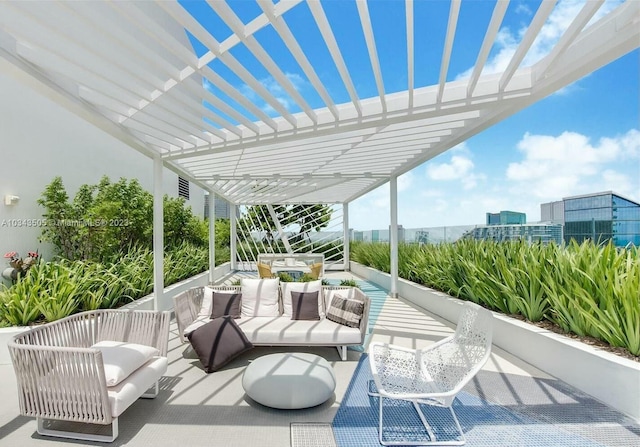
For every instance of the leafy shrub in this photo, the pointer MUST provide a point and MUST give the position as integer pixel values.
(584, 288)
(349, 283)
(104, 220)
(54, 290)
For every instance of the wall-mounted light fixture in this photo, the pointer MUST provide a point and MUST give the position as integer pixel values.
(11, 200)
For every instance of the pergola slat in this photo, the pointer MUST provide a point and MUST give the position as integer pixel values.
(147, 74)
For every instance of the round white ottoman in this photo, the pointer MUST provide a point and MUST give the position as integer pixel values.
(289, 380)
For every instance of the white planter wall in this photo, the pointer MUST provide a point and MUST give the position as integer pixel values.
(612, 379)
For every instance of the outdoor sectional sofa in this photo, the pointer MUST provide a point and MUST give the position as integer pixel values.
(266, 316)
(89, 368)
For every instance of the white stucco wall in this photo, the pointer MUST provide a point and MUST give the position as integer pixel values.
(39, 140)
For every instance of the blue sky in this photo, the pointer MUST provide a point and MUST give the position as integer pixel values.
(582, 139)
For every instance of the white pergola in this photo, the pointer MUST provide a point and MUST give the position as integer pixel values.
(129, 68)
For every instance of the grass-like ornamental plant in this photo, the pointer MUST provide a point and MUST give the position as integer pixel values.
(585, 289)
(54, 290)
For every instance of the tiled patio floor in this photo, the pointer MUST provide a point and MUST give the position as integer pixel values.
(198, 409)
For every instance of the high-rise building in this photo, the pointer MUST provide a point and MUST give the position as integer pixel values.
(506, 218)
(552, 212)
(602, 217)
(536, 232)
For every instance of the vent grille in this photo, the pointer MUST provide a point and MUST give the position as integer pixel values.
(183, 188)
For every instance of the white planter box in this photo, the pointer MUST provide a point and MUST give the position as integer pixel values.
(610, 378)
(144, 303)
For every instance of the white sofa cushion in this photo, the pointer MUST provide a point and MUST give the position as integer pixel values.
(207, 302)
(122, 359)
(260, 297)
(128, 391)
(283, 331)
(311, 286)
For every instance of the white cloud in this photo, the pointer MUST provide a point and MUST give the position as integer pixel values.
(558, 166)
(507, 40)
(276, 90)
(457, 168)
(380, 197)
(460, 167)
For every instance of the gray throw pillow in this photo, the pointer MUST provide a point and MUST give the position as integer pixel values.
(346, 312)
(304, 305)
(226, 304)
(218, 342)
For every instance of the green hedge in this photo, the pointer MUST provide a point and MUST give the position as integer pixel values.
(54, 290)
(585, 289)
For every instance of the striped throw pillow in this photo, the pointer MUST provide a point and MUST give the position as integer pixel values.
(345, 311)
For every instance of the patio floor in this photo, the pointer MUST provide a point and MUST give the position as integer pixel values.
(198, 409)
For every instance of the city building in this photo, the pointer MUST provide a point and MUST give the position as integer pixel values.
(534, 232)
(506, 218)
(602, 217)
(552, 212)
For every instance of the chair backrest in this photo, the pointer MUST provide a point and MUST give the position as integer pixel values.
(264, 270)
(456, 359)
(316, 270)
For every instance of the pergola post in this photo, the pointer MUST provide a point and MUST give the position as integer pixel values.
(158, 233)
(345, 226)
(233, 248)
(212, 236)
(393, 235)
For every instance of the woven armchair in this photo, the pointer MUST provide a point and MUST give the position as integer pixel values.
(264, 270)
(434, 375)
(316, 270)
(60, 377)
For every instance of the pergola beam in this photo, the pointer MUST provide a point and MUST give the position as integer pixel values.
(410, 50)
(292, 44)
(536, 25)
(231, 19)
(365, 21)
(487, 43)
(330, 40)
(454, 11)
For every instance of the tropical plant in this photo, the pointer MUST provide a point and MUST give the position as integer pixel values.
(349, 283)
(585, 288)
(104, 220)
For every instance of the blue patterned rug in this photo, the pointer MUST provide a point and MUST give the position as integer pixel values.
(484, 424)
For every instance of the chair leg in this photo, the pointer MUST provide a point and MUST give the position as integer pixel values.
(432, 436)
(343, 352)
(42, 430)
(153, 394)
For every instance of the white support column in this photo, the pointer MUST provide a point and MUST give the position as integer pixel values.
(158, 233)
(393, 235)
(233, 248)
(212, 235)
(345, 226)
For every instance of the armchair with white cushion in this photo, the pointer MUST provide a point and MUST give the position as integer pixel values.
(89, 368)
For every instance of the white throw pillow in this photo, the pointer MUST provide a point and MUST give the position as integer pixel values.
(311, 286)
(207, 302)
(121, 359)
(260, 297)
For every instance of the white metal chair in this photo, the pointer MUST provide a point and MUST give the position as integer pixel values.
(433, 375)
